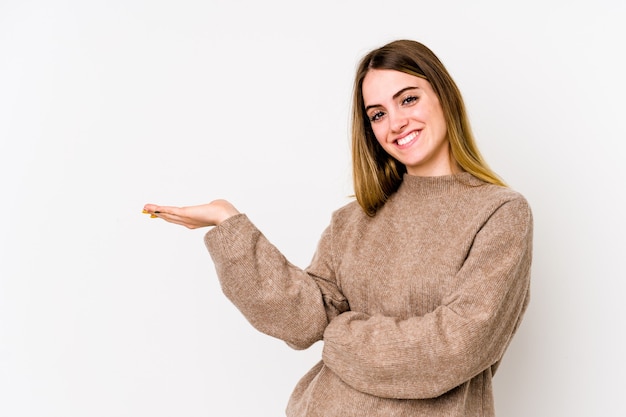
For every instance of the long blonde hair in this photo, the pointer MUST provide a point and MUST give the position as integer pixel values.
(376, 174)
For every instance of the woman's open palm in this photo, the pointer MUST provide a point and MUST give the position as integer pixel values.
(193, 217)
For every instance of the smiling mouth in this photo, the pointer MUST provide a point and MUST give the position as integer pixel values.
(407, 139)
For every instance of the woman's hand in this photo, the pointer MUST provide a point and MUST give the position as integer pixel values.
(193, 217)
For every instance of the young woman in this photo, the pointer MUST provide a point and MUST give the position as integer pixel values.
(417, 287)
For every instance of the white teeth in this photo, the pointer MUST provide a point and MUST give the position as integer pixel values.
(407, 139)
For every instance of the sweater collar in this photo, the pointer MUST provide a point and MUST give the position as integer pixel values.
(440, 185)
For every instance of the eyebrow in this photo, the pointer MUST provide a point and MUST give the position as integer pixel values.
(395, 96)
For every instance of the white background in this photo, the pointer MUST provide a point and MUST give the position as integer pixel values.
(107, 105)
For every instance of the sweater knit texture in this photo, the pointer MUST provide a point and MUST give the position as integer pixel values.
(415, 306)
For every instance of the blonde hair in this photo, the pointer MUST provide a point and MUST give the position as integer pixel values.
(376, 174)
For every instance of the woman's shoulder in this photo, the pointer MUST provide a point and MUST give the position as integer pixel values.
(478, 188)
(510, 197)
(511, 203)
(500, 192)
(350, 211)
(481, 200)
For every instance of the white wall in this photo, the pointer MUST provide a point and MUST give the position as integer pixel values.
(107, 105)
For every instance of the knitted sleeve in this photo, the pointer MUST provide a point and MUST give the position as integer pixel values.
(276, 297)
(426, 356)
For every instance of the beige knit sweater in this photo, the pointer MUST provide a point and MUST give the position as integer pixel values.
(415, 306)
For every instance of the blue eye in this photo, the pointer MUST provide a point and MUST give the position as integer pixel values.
(376, 116)
(409, 99)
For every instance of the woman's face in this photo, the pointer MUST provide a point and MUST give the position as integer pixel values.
(408, 121)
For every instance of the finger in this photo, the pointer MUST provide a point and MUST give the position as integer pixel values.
(174, 219)
(150, 208)
(175, 211)
(154, 209)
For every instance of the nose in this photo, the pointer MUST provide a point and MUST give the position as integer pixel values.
(397, 121)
